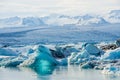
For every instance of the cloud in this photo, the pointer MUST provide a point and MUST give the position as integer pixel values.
(42, 7)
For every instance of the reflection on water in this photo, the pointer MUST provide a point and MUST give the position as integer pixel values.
(57, 73)
(47, 70)
(43, 67)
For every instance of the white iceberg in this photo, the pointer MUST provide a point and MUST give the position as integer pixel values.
(89, 52)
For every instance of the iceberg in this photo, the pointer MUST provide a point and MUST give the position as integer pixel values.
(43, 53)
(118, 42)
(41, 61)
(44, 63)
(112, 54)
(44, 58)
(110, 69)
(87, 65)
(11, 61)
(65, 50)
(89, 52)
(7, 52)
(92, 50)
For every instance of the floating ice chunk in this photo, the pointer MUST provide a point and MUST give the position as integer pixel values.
(110, 69)
(66, 50)
(88, 52)
(11, 61)
(45, 54)
(7, 52)
(112, 54)
(63, 61)
(72, 58)
(41, 61)
(87, 65)
(78, 57)
(41, 54)
(118, 42)
(93, 50)
(30, 51)
(44, 61)
(84, 54)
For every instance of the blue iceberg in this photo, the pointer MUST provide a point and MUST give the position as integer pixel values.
(41, 61)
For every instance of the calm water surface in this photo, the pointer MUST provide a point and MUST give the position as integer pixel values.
(58, 73)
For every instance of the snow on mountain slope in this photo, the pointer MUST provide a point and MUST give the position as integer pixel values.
(113, 16)
(59, 20)
(59, 29)
(32, 21)
(93, 21)
(12, 21)
(62, 20)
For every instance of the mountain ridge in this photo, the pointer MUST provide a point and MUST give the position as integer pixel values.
(113, 17)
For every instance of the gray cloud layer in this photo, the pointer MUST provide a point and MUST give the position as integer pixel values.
(45, 7)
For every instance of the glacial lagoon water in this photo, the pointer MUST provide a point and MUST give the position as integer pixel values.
(56, 73)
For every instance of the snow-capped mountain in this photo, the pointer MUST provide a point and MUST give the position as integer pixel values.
(92, 20)
(63, 20)
(59, 20)
(113, 16)
(32, 21)
(12, 21)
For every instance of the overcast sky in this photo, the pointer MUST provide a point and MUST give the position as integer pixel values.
(46, 7)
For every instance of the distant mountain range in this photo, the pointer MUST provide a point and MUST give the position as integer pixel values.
(112, 17)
